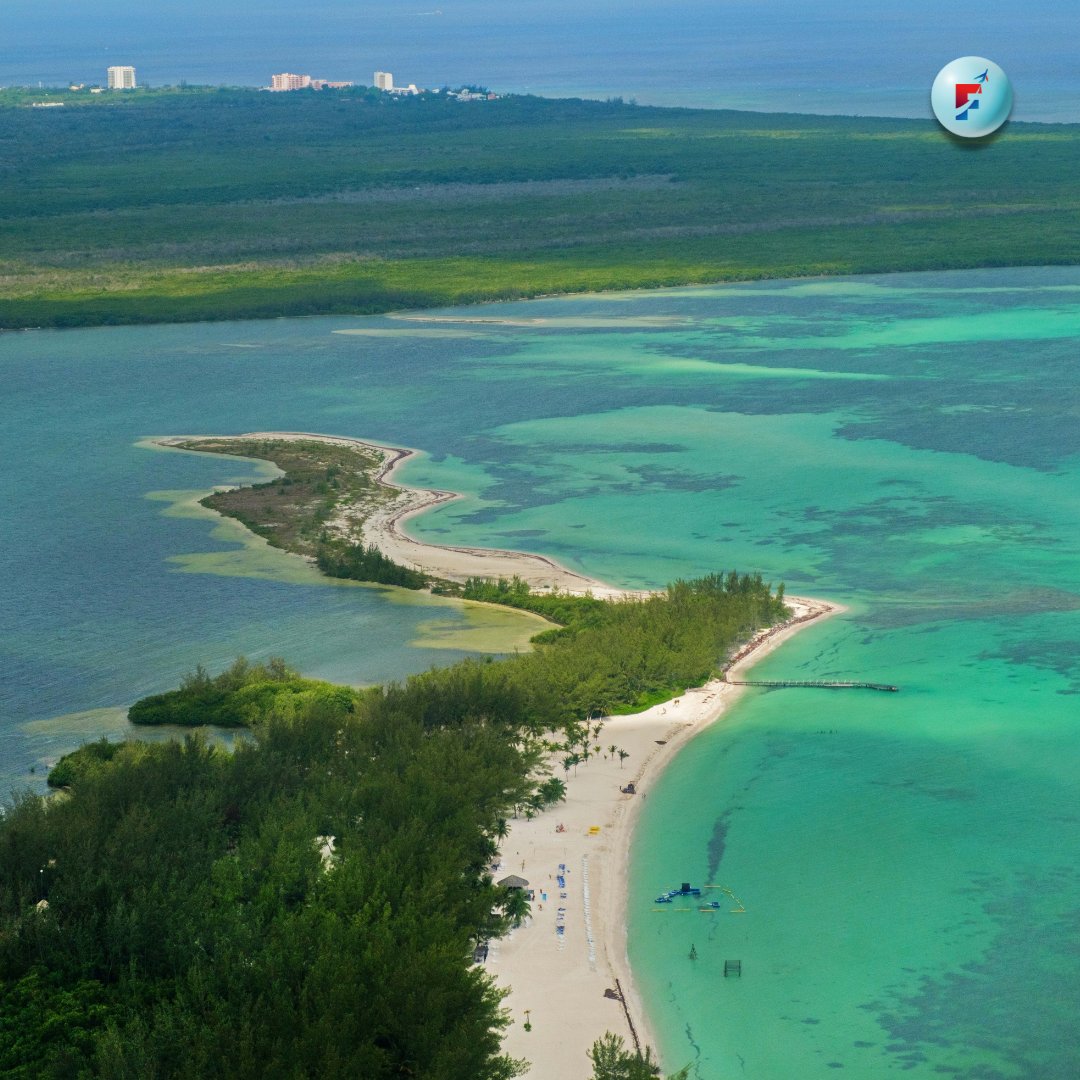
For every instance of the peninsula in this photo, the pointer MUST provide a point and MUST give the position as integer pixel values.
(357, 847)
(338, 492)
(565, 968)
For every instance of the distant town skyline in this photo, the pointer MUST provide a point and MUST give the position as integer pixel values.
(832, 56)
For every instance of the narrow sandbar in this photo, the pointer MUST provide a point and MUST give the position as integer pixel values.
(383, 524)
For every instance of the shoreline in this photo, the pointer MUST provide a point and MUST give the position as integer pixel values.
(558, 978)
(383, 526)
(557, 981)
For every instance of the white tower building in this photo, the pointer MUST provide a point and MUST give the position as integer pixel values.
(384, 80)
(121, 78)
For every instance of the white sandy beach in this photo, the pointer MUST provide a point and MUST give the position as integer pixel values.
(558, 981)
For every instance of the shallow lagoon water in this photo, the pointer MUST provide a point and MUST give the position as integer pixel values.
(905, 445)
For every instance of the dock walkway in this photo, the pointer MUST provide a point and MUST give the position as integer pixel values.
(776, 683)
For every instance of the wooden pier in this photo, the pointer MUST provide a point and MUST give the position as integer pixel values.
(778, 683)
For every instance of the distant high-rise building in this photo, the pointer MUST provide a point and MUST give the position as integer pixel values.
(121, 78)
(384, 80)
(286, 81)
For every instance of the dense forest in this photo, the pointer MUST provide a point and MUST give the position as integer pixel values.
(220, 204)
(195, 927)
(308, 904)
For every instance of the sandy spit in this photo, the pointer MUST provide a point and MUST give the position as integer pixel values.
(385, 528)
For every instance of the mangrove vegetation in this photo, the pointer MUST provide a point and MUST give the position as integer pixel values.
(228, 203)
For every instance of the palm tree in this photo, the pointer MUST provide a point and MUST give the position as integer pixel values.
(552, 791)
(516, 906)
(623, 755)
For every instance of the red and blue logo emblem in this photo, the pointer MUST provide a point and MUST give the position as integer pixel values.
(971, 97)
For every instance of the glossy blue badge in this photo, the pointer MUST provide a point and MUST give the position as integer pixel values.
(971, 96)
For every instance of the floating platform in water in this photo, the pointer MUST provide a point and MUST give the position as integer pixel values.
(686, 889)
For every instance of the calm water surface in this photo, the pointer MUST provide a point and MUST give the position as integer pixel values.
(906, 445)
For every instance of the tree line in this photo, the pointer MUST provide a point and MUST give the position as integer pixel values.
(365, 562)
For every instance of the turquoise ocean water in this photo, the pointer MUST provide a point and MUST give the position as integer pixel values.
(906, 445)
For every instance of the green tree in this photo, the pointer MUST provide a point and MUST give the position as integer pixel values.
(612, 1061)
(46, 1028)
(552, 790)
(516, 906)
(188, 905)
